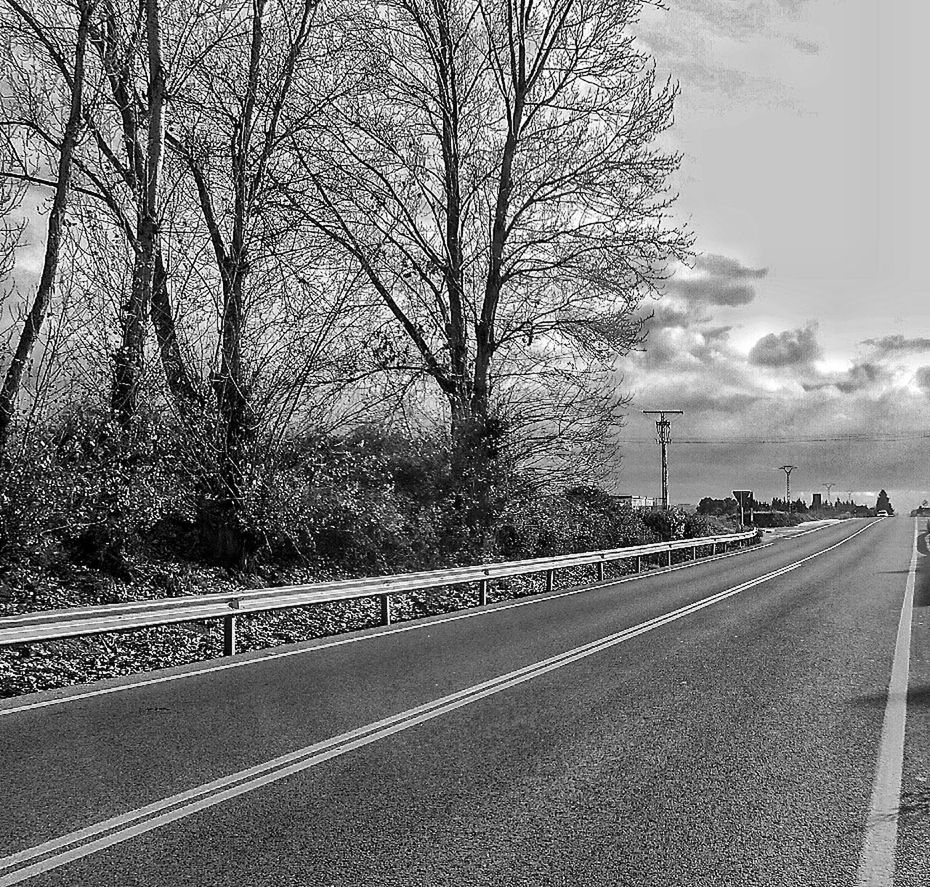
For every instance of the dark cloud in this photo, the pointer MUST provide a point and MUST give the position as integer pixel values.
(666, 314)
(716, 333)
(724, 266)
(863, 376)
(806, 46)
(789, 348)
(719, 280)
(898, 343)
(715, 291)
(724, 402)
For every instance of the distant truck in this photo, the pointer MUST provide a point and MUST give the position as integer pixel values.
(881, 513)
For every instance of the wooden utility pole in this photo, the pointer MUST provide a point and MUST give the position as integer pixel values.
(663, 437)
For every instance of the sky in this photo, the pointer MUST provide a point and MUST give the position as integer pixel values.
(802, 333)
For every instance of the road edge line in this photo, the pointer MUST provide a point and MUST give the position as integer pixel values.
(877, 855)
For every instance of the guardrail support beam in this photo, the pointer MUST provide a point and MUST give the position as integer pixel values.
(229, 635)
(385, 609)
(82, 621)
(482, 592)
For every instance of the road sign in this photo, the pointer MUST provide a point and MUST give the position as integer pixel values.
(744, 498)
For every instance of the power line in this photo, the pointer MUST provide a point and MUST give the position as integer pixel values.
(851, 438)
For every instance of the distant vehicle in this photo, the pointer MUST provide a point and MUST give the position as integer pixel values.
(881, 513)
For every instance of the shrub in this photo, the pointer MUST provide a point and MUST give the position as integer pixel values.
(666, 525)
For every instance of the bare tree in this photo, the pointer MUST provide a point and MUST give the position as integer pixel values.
(142, 173)
(496, 178)
(236, 100)
(36, 316)
(111, 167)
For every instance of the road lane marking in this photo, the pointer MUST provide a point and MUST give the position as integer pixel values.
(876, 860)
(115, 830)
(414, 625)
(808, 532)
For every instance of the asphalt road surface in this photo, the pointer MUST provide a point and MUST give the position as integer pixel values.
(725, 723)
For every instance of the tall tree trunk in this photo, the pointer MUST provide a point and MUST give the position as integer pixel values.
(169, 349)
(129, 357)
(222, 531)
(231, 392)
(12, 383)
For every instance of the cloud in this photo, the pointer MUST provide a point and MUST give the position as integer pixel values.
(726, 267)
(746, 18)
(863, 376)
(808, 47)
(713, 291)
(716, 333)
(898, 343)
(715, 280)
(788, 348)
(667, 314)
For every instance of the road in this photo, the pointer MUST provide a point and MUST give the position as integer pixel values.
(712, 725)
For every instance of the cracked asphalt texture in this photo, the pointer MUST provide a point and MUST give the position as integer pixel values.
(735, 746)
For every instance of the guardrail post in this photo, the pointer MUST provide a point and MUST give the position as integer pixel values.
(482, 592)
(229, 635)
(385, 609)
(550, 580)
(600, 571)
(639, 563)
(694, 552)
(670, 557)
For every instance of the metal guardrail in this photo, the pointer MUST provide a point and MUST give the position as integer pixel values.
(49, 625)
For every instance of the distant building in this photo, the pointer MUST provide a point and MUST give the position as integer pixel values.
(638, 502)
(817, 501)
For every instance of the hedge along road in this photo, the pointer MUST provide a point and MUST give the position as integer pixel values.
(705, 725)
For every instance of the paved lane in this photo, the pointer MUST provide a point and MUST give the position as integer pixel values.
(735, 745)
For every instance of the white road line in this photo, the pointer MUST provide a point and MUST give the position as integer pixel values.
(808, 532)
(416, 625)
(121, 828)
(876, 860)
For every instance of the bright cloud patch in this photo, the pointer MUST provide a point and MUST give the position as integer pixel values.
(922, 377)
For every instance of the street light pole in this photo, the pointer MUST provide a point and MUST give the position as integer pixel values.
(788, 469)
(663, 437)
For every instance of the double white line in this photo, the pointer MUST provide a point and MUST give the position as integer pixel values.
(84, 842)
